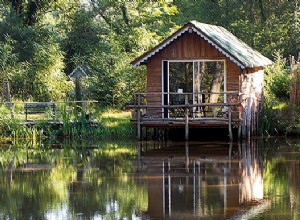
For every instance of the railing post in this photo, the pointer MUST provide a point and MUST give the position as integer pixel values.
(230, 120)
(139, 117)
(186, 113)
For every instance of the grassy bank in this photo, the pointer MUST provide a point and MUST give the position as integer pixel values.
(76, 124)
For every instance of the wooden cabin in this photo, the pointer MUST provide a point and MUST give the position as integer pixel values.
(201, 76)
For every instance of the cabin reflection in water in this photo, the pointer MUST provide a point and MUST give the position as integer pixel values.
(207, 181)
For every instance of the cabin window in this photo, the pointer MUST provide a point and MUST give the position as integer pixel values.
(200, 79)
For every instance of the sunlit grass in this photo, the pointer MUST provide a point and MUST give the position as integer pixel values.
(110, 124)
(115, 124)
(116, 114)
(115, 118)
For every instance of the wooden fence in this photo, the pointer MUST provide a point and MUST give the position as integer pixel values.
(295, 85)
(31, 112)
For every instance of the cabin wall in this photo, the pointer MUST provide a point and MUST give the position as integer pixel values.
(189, 46)
(252, 83)
(154, 85)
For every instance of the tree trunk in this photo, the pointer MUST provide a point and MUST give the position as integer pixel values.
(262, 11)
(17, 6)
(216, 83)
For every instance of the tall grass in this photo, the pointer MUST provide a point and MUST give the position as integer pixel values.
(66, 119)
(72, 123)
(267, 124)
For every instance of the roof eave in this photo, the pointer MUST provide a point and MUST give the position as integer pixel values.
(143, 58)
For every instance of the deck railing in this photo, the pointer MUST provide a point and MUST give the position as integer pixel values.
(187, 107)
(155, 105)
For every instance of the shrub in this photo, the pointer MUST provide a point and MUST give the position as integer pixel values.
(278, 79)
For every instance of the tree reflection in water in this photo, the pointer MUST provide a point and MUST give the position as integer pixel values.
(156, 180)
(70, 183)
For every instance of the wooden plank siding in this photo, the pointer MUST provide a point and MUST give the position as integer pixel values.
(189, 46)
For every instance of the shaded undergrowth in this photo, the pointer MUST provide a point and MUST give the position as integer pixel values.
(280, 120)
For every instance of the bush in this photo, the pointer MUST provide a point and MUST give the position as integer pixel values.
(278, 79)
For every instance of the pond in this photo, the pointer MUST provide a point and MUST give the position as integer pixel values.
(257, 179)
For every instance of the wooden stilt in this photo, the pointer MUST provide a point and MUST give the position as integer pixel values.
(244, 127)
(240, 125)
(248, 117)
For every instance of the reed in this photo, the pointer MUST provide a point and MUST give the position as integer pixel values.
(267, 124)
(112, 124)
(66, 119)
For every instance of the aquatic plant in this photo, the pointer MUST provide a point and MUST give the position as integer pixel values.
(66, 120)
(72, 122)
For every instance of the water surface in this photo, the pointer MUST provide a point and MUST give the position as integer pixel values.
(151, 180)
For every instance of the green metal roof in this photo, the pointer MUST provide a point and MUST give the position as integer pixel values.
(221, 39)
(231, 44)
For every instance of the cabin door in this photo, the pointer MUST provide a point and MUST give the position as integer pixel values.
(199, 80)
(208, 85)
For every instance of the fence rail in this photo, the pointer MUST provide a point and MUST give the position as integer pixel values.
(46, 110)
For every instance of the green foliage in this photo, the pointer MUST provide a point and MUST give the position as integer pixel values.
(267, 124)
(104, 164)
(43, 41)
(278, 79)
(13, 128)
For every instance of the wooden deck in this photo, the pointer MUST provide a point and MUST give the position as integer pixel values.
(187, 115)
(203, 122)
